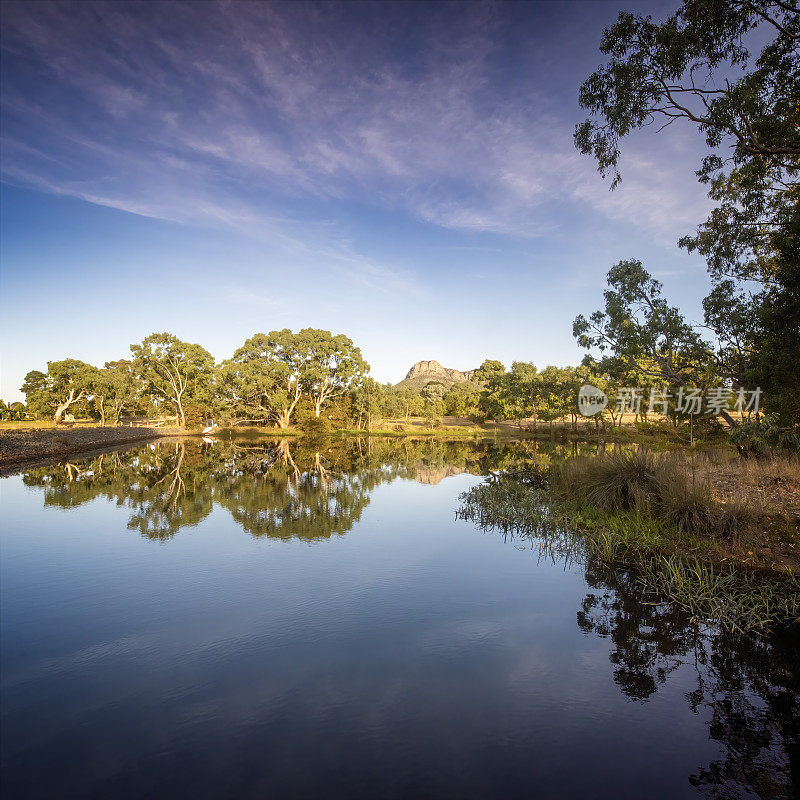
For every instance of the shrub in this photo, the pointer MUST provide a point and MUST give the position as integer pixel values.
(764, 436)
(316, 426)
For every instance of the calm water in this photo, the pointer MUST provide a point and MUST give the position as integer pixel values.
(257, 619)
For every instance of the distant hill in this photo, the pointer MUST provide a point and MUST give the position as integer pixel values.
(426, 371)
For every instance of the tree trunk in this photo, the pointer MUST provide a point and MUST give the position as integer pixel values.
(65, 405)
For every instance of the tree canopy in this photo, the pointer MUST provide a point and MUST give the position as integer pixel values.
(174, 370)
(730, 69)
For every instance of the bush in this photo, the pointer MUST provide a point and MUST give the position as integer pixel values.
(763, 436)
(316, 426)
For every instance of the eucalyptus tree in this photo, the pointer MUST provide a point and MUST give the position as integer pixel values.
(433, 392)
(115, 388)
(64, 384)
(332, 365)
(523, 388)
(369, 401)
(461, 400)
(639, 332)
(699, 67)
(493, 379)
(174, 370)
(410, 400)
(264, 379)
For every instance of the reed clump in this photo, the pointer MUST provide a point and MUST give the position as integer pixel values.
(736, 600)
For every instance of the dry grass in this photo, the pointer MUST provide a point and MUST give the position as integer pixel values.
(743, 511)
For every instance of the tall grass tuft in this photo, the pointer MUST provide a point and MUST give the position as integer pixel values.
(623, 481)
(659, 486)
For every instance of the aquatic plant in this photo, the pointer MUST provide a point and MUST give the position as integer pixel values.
(664, 550)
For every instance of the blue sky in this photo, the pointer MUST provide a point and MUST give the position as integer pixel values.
(404, 174)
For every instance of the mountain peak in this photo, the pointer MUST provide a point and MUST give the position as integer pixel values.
(426, 371)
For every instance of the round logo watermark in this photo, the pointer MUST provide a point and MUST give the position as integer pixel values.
(591, 400)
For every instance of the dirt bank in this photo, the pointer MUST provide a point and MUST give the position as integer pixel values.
(21, 448)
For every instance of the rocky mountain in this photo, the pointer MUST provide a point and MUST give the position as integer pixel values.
(426, 371)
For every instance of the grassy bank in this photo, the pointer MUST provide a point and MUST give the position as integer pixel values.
(723, 555)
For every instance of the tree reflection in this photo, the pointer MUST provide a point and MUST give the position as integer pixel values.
(275, 488)
(747, 687)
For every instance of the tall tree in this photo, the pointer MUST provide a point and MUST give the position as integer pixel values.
(698, 67)
(174, 370)
(493, 379)
(333, 365)
(114, 388)
(264, 379)
(64, 384)
(639, 331)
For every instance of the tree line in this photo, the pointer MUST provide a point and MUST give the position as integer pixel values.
(279, 377)
(264, 382)
(320, 381)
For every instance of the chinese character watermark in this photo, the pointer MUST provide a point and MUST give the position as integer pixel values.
(688, 400)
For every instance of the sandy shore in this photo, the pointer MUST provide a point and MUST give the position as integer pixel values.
(21, 448)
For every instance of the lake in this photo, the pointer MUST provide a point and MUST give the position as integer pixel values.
(256, 618)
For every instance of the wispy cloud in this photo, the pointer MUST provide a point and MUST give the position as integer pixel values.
(258, 116)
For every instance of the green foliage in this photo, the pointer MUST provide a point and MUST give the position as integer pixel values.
(433, 392)
(462, 400)
(195, 416)
(174, 370)
(318, 427)
(695, 66)
(115, 388)
(333, 365)
(65, 384)
(651, 74)
(264, 379)
(774, 363)
(492, 375)
(764, 436)
(409, 400)
(641, 333)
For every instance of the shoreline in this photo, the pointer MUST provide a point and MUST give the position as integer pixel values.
(23, 448)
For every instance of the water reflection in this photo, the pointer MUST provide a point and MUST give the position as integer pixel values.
(276, 488)
(744, 691)
(746, 687)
